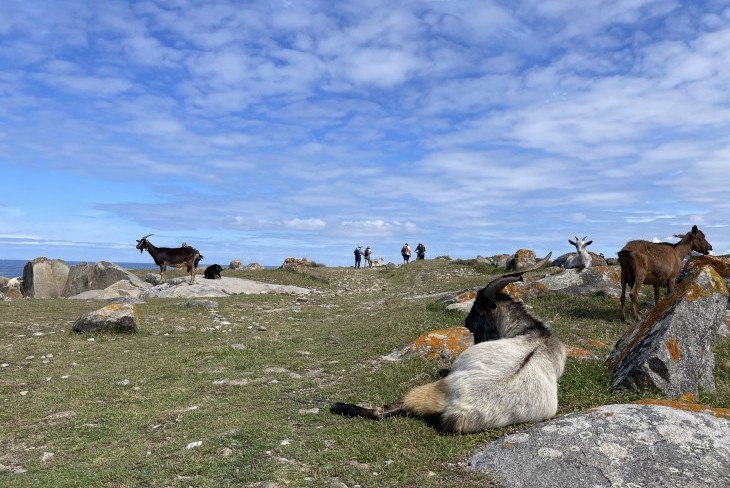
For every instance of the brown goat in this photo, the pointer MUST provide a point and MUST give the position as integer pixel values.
(656, 264)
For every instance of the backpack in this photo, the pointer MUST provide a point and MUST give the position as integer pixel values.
(367, 252)
(357, 252)
(421, 249)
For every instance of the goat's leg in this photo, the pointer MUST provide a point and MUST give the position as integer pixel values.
(635, 296)
(422, 401)
(656, 294)
(623, 300)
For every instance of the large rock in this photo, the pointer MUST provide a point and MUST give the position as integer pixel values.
(112, 318)
(294, 264)
(598, 280)
(120, 289)
(521, 259)
(614, 445)
(671, 348)
(235, 264)
(84, 277)
(441, 343)
(45, 278)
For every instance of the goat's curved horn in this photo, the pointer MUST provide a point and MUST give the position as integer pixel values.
(498, 283)
(145, 237)
(584, 238)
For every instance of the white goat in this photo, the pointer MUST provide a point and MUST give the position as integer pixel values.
(510, 375)
(582, 258)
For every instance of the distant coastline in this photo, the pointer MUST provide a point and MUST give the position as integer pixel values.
(12, 268)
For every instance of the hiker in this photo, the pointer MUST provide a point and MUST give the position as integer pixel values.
(420, 251)
(405, 251)
(358, 253)
(367, 253)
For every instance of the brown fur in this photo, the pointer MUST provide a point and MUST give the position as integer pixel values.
(655, 264)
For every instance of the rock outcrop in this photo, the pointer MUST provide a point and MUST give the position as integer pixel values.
(85, 277)
(671, 348)
(521, 259)
(45, 278)
(112, 318)
(180, 288)
(614, 445)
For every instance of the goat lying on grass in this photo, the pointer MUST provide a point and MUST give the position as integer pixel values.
(178, 257)
(510, 374)
(656, 264)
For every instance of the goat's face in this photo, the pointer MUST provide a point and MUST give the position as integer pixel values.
(699, 243)
(580, 244)
(486, 316)
(494, 314)
(143, 243)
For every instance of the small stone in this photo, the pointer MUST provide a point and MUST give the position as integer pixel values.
(305, 411)
(194, 444)
(124, 382)
(46, 457)
(261, 327)
(238, 347)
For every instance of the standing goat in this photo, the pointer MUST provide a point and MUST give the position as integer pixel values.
(177, 257)
(510, 374)
(656, 264)
(582, 259)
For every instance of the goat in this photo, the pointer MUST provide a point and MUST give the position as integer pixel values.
(177, 257)
(582, 258)
(656, 264)
(510, 374)
(213, 271)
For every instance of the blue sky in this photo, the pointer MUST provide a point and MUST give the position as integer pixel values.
(267, 129)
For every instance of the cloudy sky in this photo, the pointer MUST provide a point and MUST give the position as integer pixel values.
(260, 130)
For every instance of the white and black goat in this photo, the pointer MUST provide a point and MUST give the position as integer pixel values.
(510, 374)
(582, 258)
(177, 257)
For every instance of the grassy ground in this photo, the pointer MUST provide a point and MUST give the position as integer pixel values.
(239, 394)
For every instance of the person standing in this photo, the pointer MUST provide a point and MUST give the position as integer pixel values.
(405, 251)
(367, 253)
(358, 254)
(420, 251)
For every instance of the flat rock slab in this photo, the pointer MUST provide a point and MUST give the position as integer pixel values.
(614, 445)
(202, 288)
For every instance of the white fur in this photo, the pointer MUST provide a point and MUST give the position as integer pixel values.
(13, 283)
(582, 258)
(490, 385)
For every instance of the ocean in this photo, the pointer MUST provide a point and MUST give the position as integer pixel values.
(12, 268)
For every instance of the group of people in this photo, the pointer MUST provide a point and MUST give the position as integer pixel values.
(405, 251)
(367, 253)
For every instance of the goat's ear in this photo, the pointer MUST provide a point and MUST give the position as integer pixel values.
(694, 229)
(573, 243)
(588, 243)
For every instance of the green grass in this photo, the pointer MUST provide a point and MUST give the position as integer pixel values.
(120, 410)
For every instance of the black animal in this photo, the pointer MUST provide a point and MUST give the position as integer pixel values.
(178, 257)
(212, 272)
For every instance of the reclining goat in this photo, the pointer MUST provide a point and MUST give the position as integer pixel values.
(510, 374)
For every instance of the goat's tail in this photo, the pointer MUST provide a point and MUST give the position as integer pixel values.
(426, 401)
(624, 260)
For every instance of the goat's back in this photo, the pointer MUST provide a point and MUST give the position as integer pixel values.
(501, 382)
(655, 261)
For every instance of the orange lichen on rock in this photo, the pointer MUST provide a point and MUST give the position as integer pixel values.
(440, 343)
(578, 353)
(673, 349)
(597, 344)
(466, 296)
(688, 406)
(720, 265)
